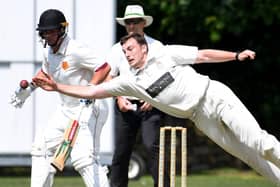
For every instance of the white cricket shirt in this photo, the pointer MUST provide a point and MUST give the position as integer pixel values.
(181, 96)
(73, 64)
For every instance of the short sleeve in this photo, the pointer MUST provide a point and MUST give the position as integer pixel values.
(114, 58)
(182, 54)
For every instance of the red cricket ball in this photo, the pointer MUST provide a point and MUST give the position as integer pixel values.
(24, 84)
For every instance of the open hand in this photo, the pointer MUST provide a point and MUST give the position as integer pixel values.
(46, 82)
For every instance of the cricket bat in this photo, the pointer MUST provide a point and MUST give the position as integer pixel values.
(63, 151)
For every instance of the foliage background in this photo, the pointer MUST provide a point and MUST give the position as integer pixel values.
(230, 25)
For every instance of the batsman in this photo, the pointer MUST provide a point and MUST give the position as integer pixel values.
(74, 129)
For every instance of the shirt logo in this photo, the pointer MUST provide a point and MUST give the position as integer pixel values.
(65, 65)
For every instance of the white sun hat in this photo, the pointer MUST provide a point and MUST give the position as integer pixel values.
(135, 11)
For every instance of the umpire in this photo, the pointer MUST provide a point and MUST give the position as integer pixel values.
(131, 113)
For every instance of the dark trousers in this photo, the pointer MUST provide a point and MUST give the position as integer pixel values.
(127, 126)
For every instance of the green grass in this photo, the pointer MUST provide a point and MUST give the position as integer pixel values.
(60, 181)
(213, 178)
(216, 178)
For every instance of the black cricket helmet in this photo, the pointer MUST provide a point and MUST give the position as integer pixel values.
(51, 19)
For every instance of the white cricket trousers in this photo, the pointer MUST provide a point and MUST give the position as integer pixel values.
(224, 119)
(85, 153)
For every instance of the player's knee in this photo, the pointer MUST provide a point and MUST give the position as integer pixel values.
(81, 162)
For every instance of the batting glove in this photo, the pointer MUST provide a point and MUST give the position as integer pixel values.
(18, 98)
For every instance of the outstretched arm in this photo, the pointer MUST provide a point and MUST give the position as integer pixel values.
(87, 92)
(212, 55)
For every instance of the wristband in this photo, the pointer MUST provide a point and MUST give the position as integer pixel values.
(237, 55)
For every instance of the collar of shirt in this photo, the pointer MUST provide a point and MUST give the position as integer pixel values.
(63, 46)
(134, 71)
(137, 71)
